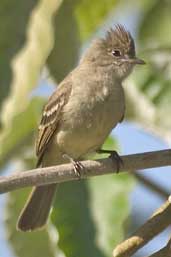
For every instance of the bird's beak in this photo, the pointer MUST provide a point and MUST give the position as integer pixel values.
(136, 61)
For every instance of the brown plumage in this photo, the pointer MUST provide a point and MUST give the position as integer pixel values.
(81, 113)
(51, 117)
(35, 213)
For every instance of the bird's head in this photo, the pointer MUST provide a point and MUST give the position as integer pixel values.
(116, 50)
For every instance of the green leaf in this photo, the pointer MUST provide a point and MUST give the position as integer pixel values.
(72, 218)
(23, 126)
(25, 244)
(148, 91)
(91, 14)
(74, 23)
(26, 70)
(66, 48)
(14, 19)
(19, 115)
(109, 204)
(89, 214)
(150, 108)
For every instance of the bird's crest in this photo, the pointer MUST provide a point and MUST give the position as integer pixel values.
(120, 38)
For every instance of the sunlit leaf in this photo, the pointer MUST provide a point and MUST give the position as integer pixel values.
(20, 116)
(23, 126)
(14, 21)
(26, 71)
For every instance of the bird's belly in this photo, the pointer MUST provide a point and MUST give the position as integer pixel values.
(89, 129)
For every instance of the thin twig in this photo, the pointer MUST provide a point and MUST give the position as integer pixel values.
(151, 185)
(160, 220)
(65, 172)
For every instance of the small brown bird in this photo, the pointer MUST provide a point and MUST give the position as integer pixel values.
(80, 114)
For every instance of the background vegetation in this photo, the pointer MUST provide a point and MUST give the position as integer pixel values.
(40, 43)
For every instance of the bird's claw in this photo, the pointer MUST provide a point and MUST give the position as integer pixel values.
(77, 165)
(117, 159)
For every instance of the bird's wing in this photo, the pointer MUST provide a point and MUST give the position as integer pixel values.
(51, 117)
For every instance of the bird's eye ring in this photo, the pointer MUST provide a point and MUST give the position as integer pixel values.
(116, 53)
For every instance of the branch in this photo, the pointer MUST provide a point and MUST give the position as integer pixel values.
(159, 221)
(65, 172)
(151, 185)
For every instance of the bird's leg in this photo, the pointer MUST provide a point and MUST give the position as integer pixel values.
(114, 156)
(77, 165)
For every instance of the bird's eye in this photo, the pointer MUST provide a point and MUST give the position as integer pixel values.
(116, 53)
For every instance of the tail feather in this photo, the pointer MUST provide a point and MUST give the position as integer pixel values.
(37, 208)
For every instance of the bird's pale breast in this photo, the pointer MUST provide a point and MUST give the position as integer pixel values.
(89, 117)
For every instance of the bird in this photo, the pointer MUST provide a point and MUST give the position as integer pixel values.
(80, 114)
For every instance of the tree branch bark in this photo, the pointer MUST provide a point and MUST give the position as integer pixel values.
(65, 172)
(159, 221)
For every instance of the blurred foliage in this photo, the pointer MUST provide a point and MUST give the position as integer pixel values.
(21, 130)
(88, 216)
(158, 16)
(14, 21)
(26, 66)
(84, 18)
(25, 244)
(151, 86)
(64, 54)
(92, 213)
(90, 14)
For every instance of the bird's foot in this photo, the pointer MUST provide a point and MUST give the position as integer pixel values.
(114, 156)
(77, 165)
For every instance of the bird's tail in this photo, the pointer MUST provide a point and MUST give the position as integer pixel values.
(35, 213)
